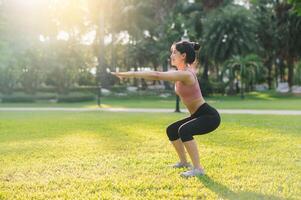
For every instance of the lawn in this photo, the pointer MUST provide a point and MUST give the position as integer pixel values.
(255, 100)
(101, 155)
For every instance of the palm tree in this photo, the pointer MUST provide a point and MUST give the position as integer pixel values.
(230, 31)
(266, 26)
(289, 41)
(203, 9)
(244, 69)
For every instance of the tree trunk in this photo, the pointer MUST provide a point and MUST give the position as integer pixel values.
(237, 88)
(282, 70)
(242, 90)
(217, 71)
(290, 64)
(276, 74)
(100, 36)
(135, 79)
(206, 69)
(143, 84)
(268, 63)
(177, 104)
(231, 88)
(155, 68)
(165, 68)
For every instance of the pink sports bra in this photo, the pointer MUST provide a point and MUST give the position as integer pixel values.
(188, 93)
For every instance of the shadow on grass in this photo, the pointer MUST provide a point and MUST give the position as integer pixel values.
(225, 193)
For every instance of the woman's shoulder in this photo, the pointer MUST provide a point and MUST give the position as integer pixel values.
(190, 77)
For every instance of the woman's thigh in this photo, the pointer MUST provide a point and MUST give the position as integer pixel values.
(200, 125)
(174, 127)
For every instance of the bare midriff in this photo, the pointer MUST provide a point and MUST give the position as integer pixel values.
(194, 105)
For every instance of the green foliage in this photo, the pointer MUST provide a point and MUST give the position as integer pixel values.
(229, 31)
(33, 52)
(8, 79)
(289, 28)
(75, 97)
(297, 76)
(119, 88)
(211, 86)
(206, 87)
(243, 69)
(79, 95)
(267, 35)
(296, 5)
(107, 80)
(148, 99)
(266, 26)
(85, 77)
(67, 63)
(218, 87)
(9, 70)
(85, 89)
(32, 74)
(18, 98)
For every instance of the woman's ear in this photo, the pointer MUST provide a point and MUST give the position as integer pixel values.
(183, 56)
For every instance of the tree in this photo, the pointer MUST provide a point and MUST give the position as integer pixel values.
(229, 31)
(298, 74)
(244, 69)
(296, 6)
(266, 26)
(31, 65)
(289, 41)
(9, 72)
(207, 7)
(65, 61)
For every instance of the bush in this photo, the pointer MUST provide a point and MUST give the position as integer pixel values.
(47, 89)
(51, 89)
(206, 87)
(75, 97)
(119, 88)
(18, 98)
(144, 93)
(218, 87)
(45, 96)
(91, 89)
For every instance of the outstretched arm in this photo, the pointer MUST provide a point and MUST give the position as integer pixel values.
(155, 75)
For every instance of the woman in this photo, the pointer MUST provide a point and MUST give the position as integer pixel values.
(203, 118)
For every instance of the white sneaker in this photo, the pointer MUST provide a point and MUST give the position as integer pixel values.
(182, 165)
(193, 172)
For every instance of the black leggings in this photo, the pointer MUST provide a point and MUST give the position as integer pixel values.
(204, 120)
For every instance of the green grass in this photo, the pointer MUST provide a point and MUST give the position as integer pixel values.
(253, 101)
(100, 155)
(263, 101)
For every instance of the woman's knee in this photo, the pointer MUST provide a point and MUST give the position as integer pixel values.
(185, 134)
(172, 132)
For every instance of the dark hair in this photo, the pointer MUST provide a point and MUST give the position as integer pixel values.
(189, 48)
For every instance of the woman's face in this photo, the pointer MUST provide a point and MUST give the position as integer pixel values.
(177, 59)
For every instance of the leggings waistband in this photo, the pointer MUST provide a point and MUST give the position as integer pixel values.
(204, 109)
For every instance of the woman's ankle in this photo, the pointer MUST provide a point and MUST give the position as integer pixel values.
(199, 167)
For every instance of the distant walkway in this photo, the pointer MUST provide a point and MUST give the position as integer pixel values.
(157, 110)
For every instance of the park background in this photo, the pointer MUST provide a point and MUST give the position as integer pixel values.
(60, 54)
